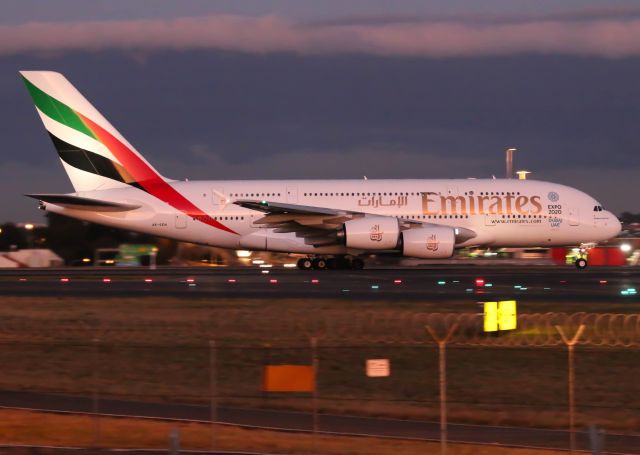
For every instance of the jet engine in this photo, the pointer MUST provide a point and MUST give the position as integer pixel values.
(435, 242)
(372, 233)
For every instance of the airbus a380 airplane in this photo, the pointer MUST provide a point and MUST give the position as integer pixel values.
(329, 222)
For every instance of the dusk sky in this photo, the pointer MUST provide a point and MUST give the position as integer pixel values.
(335, 89)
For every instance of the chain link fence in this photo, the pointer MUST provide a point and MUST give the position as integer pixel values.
(517, 378)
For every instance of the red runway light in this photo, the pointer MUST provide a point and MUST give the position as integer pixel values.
(563, 281)
(479, 282)
(191, 280)
(273, 281)
(397, 281)
(148, 280)
(64, 280)
(315, 281)
(106, 280)
(22, 279)
(231, 280)
(603, 281)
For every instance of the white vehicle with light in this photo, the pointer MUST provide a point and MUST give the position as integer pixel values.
(330, 222)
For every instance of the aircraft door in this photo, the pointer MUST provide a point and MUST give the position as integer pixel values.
(218, 197)
(181, 220)
(292, 194)
(574, 217)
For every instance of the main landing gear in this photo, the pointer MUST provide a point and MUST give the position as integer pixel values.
(334, 263)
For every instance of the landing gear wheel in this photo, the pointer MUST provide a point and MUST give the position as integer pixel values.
(357, 264)
(305, 264)
(581, 263)
(319, 264)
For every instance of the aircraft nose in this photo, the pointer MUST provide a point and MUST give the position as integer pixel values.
(614, 224)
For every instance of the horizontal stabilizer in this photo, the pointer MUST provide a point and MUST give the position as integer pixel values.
(83, 203)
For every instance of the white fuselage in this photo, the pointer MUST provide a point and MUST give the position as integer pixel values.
(502, 212)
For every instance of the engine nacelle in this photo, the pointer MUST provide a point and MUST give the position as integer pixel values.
(372, 233)
(435, 242)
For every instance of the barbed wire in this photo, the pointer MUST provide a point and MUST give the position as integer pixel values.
(333, 328)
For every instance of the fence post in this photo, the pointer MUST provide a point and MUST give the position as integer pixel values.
(570, 343)
(174, 442)
(315, 364)
(442, 361)
(596, 440)
(213, 391)
(95, 395)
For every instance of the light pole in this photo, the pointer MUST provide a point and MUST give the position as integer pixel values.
(509, 162)
(29, 227)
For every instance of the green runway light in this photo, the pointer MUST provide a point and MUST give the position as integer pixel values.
(469, 290)
(456, 281)
(375, 286)
(442, 283)
(523, 289)
(547, 289)
(517, 286)
(488, 285)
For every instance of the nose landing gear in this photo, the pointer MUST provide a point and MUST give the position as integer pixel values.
(581, 261)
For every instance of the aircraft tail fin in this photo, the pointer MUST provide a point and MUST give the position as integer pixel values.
(94, 154)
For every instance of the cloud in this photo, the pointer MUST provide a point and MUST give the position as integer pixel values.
(603, 36)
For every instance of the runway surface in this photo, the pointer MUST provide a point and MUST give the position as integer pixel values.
(437, 282)
(328, 423)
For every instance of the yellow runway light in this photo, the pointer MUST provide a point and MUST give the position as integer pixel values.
(490, 316)
(507, 316)
(500, 316)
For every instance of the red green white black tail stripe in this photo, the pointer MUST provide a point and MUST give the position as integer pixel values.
(92, 151)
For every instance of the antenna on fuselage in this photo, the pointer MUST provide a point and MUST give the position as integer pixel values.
(509, 161)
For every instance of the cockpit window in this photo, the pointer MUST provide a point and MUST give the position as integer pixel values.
(598, 208)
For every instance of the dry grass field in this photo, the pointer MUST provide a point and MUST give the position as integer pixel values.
(156, 349)
(32, 428)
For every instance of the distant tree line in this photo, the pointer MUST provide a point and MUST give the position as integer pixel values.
(74, 240)
(628, 217)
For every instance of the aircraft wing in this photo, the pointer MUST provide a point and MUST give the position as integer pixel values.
(319, 225)
(83, 203)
